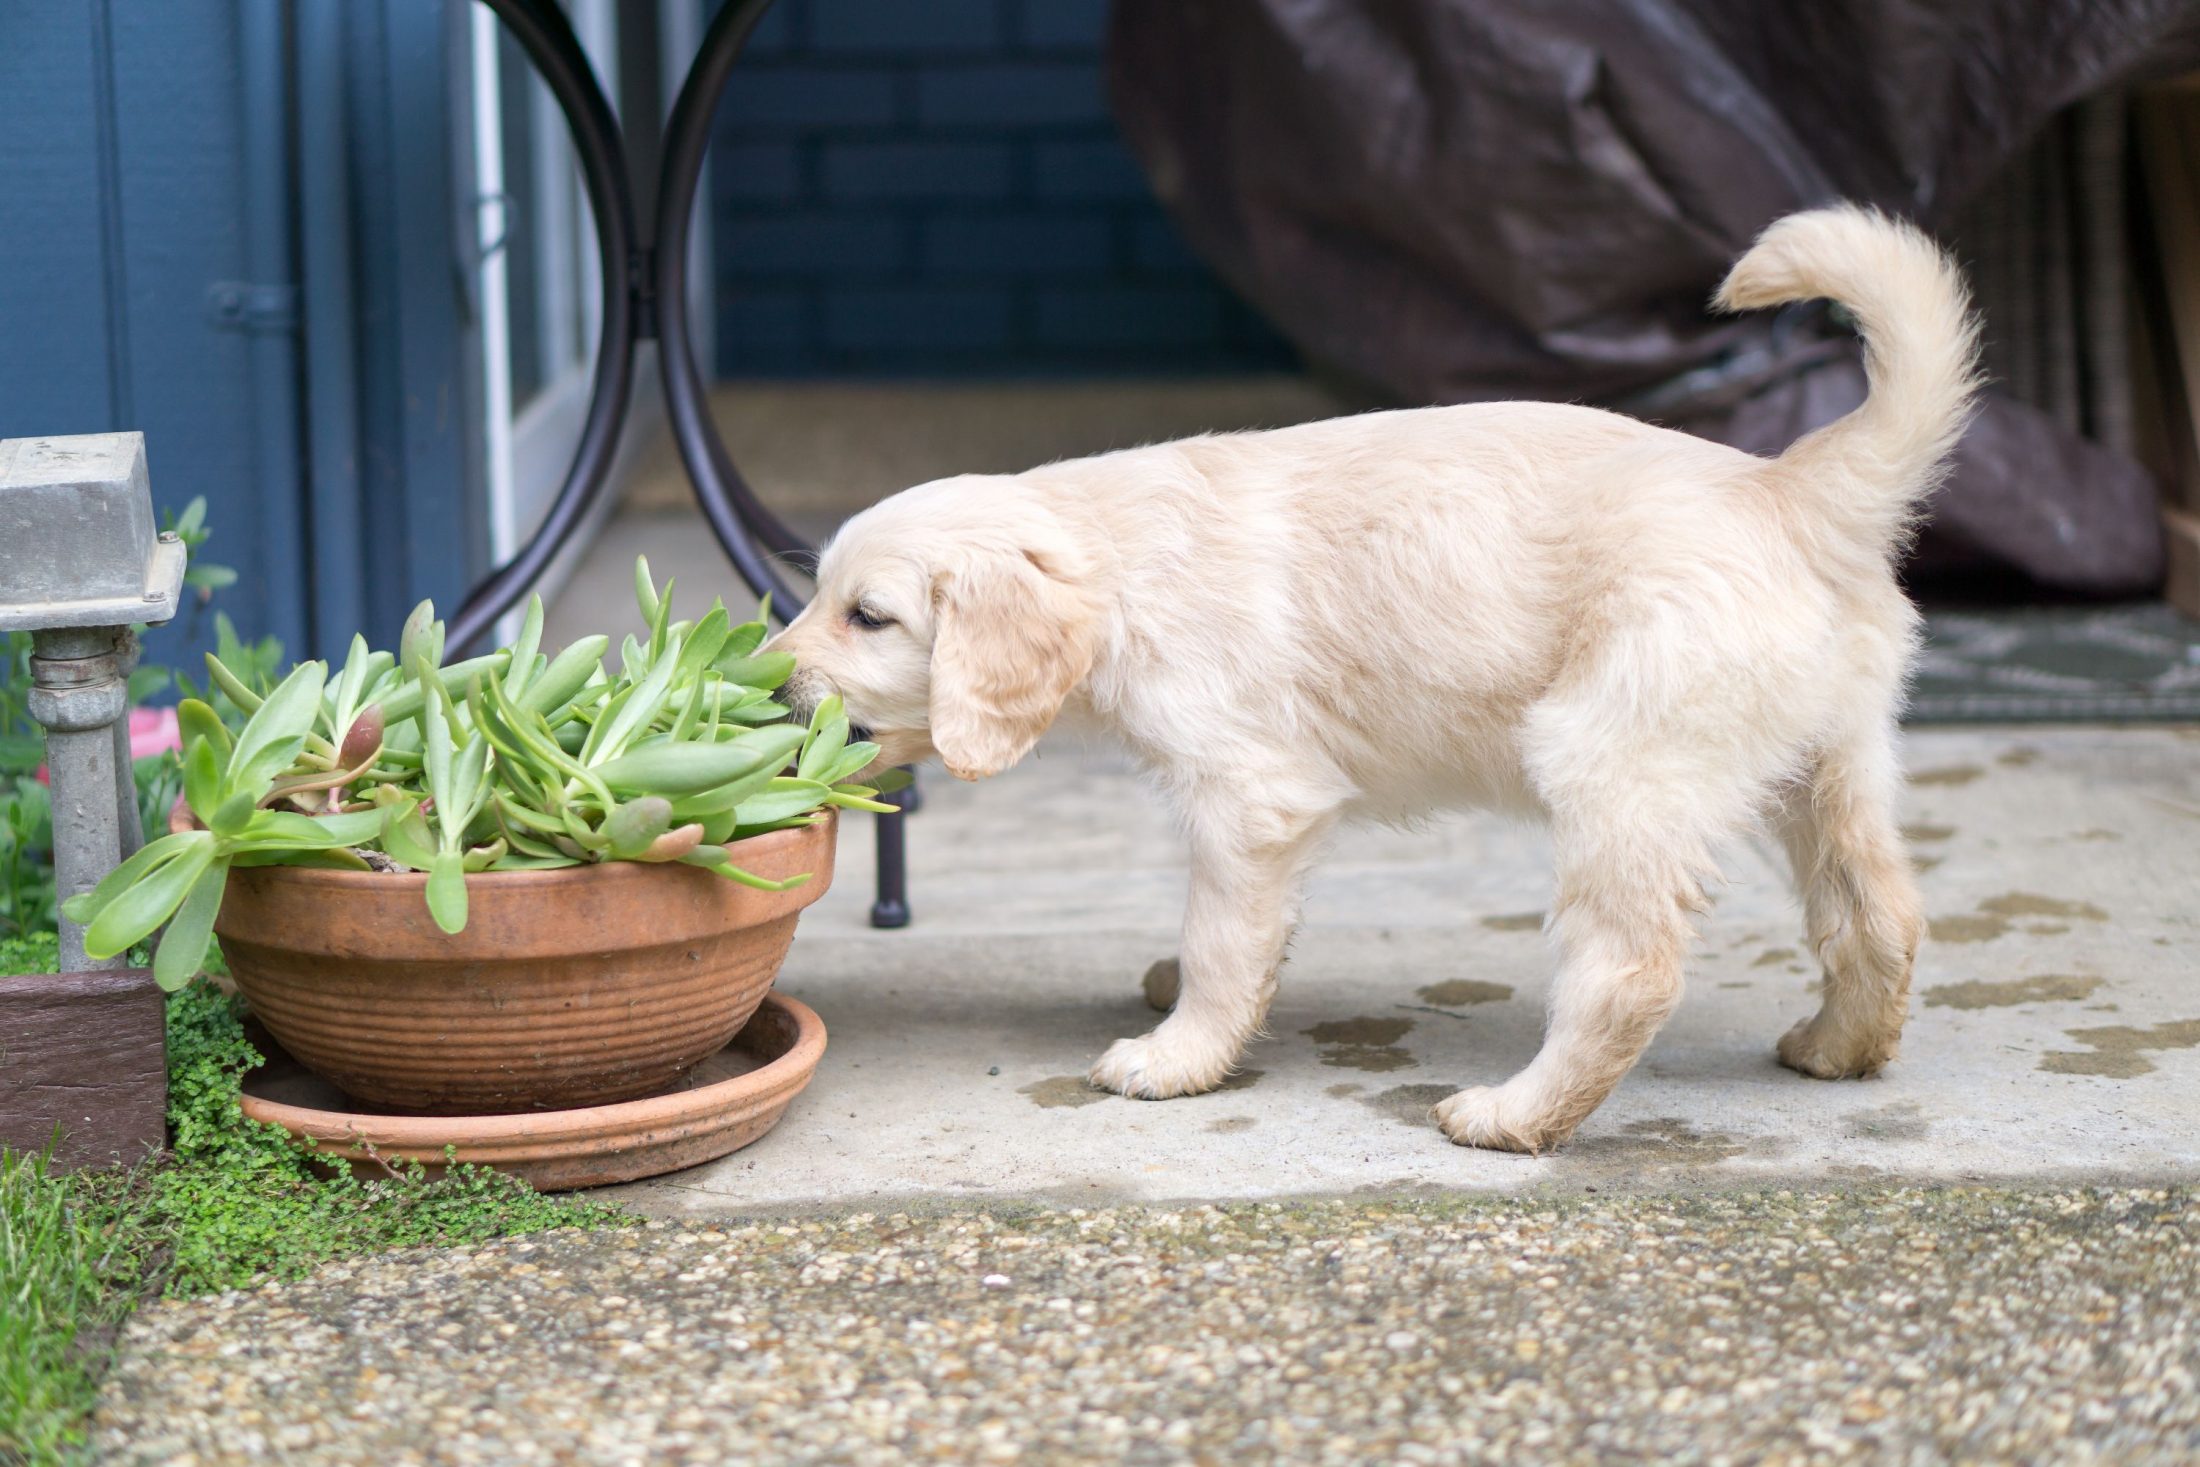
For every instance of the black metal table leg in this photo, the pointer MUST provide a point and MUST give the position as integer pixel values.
(645, 294)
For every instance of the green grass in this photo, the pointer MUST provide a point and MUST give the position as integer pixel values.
(232, 1203)
(60, 1296)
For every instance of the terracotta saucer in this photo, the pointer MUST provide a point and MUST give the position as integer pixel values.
(730, 1099)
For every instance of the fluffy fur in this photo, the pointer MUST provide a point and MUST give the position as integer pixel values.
(1649, 641)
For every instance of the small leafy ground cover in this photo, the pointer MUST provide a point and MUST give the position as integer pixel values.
(232, 1203)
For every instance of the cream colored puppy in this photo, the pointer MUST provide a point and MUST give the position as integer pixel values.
(1650, 641)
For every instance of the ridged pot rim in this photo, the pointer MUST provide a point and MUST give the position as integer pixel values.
(756, 847)
(571, 1126)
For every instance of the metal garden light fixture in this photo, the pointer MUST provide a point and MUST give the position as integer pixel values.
(81, 564)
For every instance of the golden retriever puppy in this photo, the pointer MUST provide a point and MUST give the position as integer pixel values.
(1649, 641)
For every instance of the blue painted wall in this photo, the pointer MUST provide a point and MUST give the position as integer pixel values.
(150, 182)
(935, 188)
(124, 203)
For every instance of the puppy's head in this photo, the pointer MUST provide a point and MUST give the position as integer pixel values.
(952, 619)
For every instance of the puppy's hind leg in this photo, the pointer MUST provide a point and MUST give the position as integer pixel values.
(1246, 871)
(1860, 909)
(1623, 920)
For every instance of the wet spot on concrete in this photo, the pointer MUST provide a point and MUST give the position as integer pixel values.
(1343, 1092)
(2032, 904)
(1363, 1043)
(1994, 916)
(1773, 957)
(1928, 832)
(1966, 929)
(1517, 922)
(1061, 1090)
(1661, 1144)
(1409, 1104)
(1923, 864)
(1953, 775)
(2119, 1051)
(2042, 988)
(1240, 1080)
(1231, 1125)
(1902, 1121)
(2021, 757)
(1460, 992)
(2047, 929)
(2096, 833)
(1734, 985)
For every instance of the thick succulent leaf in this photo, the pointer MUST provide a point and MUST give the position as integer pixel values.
(853, 760)
(413, 641)
(701, 646)
(891, 781)
(407, 840)
(744, 639)
(133, 914)
(202, 779)
(233, 814)
(271, 738)
(568, 673)
(782, 799)
(761, 670)
(518, 860)
(749, 878)
(86, 905)
(634, 826)
(447, 891)
(828, 736)
(288, 830)
(521, 669)
(182, 950)
(673, 770)
(198, 721)
(231, 684)
(724, 797)
(635, 715)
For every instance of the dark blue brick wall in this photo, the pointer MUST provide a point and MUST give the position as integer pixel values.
(935, 188)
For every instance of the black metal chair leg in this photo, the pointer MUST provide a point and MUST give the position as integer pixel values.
(891, 907)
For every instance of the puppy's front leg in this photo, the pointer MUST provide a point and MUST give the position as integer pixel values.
(1244, 899)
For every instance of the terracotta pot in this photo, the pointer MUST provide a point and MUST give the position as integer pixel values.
(579, 987)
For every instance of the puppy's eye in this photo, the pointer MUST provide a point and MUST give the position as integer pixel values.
(863, 616)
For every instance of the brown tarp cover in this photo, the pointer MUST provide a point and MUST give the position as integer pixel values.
(1456, 200)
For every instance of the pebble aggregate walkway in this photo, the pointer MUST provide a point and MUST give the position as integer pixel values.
(1889, 1326)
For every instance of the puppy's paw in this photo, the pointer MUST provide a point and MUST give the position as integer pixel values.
(1497, 1119)
(1818, 1049)
(1161, 1065)
(1161, 983)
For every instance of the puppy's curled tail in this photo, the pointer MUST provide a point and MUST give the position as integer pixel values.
(1869, 470)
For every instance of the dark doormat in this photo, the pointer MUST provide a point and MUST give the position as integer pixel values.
(2138, 663)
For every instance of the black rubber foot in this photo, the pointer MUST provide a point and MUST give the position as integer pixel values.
(889, 914)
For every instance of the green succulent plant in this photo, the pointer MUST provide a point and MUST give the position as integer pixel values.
(512, 761)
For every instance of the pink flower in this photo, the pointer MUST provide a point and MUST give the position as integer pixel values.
(152, 731)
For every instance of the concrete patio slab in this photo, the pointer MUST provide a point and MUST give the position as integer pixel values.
(2055, 1030)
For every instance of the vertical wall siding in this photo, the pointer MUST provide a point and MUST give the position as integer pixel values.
(124, 201)
(936, 188)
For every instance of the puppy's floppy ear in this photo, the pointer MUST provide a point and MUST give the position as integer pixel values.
(1013, 632)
